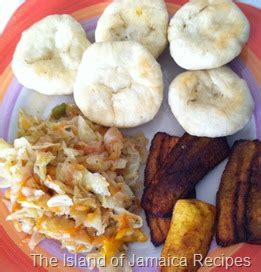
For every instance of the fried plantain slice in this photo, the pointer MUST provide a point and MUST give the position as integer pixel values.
(191, 232)
(187, 163)
(153, 158)
(233, 194)
(253, 214)
(161, 145)
(245, 155)
(159, 227)
(169, 144)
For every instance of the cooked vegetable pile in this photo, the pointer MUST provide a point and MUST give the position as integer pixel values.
(74, 181)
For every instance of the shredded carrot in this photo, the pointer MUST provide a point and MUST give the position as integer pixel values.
(114, 189)
(16, 206)
(7, 193)
(55, 209)
(80, 207)
(24, 162)
(51, 171)
(123, 221)
(79, 167)
(36, 178)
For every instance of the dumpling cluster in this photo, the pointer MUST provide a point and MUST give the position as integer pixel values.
(119, 82)
(206, 34)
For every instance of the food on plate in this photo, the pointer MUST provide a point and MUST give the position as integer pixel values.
(187, 163)
(239, 194)
(211, 103)
(253, 212)
(159, 226)
(161, 145)
(205, 34)
(191, 232)
(71, 180)
(48, 55)
(143, 21)
(119, 84)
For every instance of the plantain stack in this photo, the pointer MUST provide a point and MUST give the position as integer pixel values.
(239, 196)
(185, 165)
(161, 146)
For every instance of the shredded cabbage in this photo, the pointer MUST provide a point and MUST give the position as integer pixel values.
(69, 179)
